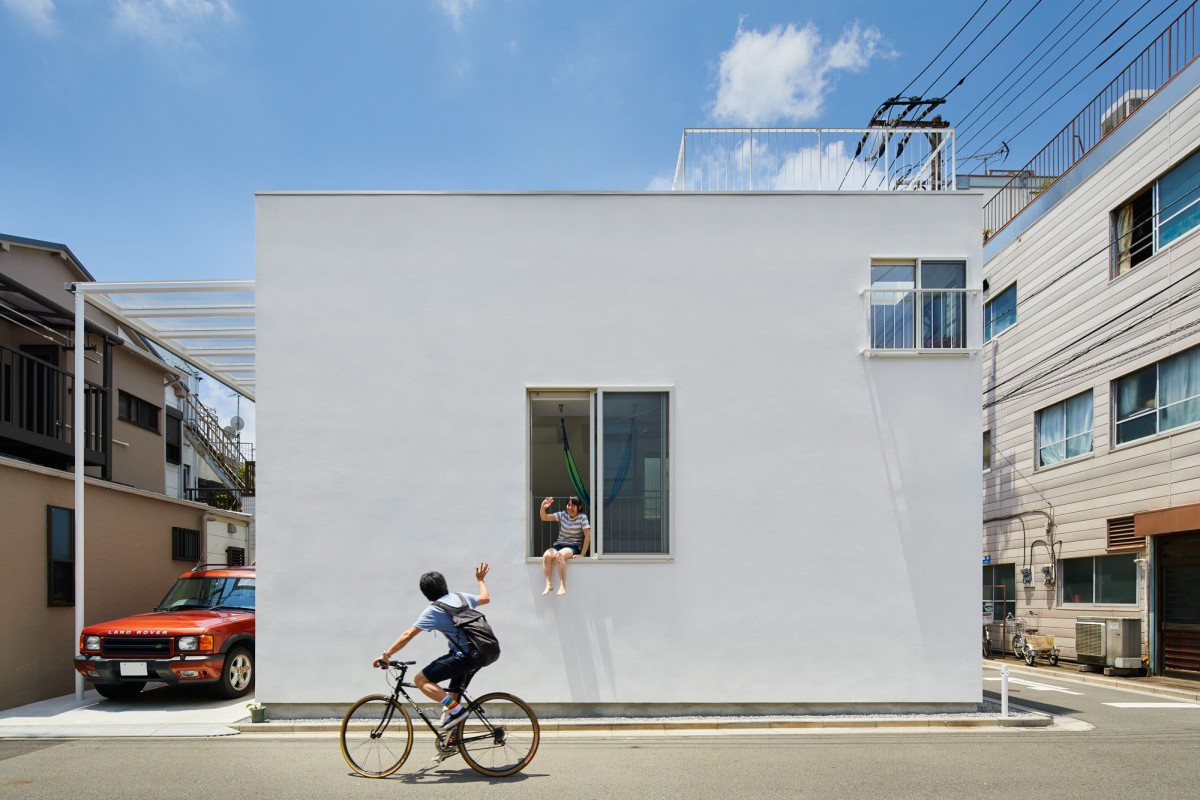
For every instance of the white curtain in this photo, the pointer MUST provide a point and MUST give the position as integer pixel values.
(1179, 380)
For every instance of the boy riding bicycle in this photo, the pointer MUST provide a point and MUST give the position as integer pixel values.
(456, 666)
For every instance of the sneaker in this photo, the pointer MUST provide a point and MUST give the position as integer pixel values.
(451, 718)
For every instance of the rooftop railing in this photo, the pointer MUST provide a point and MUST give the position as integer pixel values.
(823, 159)
(1167, 56)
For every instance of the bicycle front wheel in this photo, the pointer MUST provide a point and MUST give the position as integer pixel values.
(499, 736)
(376, 736)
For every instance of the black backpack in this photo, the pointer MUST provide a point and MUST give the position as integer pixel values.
(482, 646)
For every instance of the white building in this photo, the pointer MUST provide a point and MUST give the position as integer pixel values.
(785, 504)
(1091, 390)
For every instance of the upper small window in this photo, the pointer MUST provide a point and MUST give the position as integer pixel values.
(1064, 430)
(138, 411)
(987, 450)
(1159, 397)
(60, 556)
(1165, 211)
(1000, 313)
(918, 305)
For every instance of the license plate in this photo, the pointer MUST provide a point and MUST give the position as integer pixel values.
(134, 669)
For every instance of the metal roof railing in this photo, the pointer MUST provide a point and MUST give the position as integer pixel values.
(823, 159)
(1167, 56)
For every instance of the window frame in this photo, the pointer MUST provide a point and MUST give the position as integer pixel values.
(1093, 602)
(1010, 600)
(179, 544)
(989, 331)
(68, 599)
(1067, 436)
(919, 292)
(129, 408)
(596, 514)
(1155, 222)
(1155, 411)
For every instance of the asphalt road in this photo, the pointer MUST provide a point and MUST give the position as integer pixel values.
(1139, 746)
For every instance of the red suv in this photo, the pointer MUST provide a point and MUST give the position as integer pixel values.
(201, 632)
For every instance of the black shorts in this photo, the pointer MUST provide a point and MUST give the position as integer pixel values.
(455, 667)
(574, 548)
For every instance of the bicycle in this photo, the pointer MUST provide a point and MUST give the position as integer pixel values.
(498, 736)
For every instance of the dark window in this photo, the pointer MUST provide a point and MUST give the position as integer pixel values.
(1139, 231)
(235, 556)
(60, 556)
(1101, 579)
(987, 450)
(174, 436)
(1000, 313)
(138, 411)
(185, 544)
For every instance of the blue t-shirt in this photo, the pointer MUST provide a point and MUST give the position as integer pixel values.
(435, 619)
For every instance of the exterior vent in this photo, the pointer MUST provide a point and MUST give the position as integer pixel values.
(1119, 111)
(1121, 535)
(1089, 640)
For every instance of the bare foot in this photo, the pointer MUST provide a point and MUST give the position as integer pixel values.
(562, 590)
(547, 590)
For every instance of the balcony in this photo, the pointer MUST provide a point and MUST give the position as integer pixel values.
(891, 159)
(36, 412)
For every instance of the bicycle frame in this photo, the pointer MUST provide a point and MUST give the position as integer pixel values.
(443, 736)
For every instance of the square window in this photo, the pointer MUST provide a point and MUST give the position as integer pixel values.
(918, 305)
(1064, 430)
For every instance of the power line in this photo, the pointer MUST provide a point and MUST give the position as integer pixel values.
(1007, 3)
(943, 50)
(1025, 127)
(1002, 40)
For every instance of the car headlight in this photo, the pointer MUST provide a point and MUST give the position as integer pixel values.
(188, 642)
(91, 643)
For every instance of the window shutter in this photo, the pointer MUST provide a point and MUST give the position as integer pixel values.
(185, 544)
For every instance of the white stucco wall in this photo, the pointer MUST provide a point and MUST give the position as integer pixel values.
(825, 504)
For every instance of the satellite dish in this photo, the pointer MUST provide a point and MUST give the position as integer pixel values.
(229, 431)
(237, 423)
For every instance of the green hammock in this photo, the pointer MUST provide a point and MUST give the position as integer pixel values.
(577, 481)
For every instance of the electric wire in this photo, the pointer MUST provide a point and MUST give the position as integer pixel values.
(1002, 40)
(962, 122)
(943, 50)
(999, 114)
(1025, 127)
(968, 47)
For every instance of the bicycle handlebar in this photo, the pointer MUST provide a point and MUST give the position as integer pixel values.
(395, 664)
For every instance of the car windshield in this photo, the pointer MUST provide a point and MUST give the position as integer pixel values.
(235, 593)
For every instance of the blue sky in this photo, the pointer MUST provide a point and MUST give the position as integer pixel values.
(137, 131)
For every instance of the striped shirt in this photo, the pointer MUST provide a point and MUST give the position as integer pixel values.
(570, 531)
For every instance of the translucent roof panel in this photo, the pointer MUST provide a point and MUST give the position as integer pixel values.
(207, 324)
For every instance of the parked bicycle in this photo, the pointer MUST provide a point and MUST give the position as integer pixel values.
(498, 736)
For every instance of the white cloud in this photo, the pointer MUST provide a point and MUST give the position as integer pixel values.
(168, 23)
(785, 73)
(661, 183)
(455, 10)
(39, 14)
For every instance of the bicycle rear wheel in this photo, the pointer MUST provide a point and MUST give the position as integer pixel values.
(376, 736)
(499, 736)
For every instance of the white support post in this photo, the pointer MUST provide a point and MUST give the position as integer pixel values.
(1004, 690)
(78, 435)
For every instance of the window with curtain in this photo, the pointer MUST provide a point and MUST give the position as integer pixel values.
(1108, 580)
(1158, 398)
(1064, 430)
(918, 304)
(1157, 216)
(1000, 313)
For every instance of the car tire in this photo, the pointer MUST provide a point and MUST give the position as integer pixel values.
(119, 691)
(237, 673)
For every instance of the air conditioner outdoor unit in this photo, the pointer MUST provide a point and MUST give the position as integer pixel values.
(1109, 642)
(1120, 110)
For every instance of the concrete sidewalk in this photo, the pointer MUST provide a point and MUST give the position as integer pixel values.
(165, 711)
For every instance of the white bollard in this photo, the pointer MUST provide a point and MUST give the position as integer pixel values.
(1004, 690)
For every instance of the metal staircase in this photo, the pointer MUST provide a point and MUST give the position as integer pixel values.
(225, 454)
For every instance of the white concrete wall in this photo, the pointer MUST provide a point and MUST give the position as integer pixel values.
(824, 503)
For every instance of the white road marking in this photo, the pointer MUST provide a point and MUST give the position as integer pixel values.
(1153, 705)
(1037, 687)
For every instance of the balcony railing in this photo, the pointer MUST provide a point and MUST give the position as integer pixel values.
(634, 523)
(36, 411)
(823, 159)
(917, 319)
(1167, 56)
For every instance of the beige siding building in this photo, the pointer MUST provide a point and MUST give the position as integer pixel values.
(1091, 397)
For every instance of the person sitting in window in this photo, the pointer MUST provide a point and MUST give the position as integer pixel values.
(574, 535)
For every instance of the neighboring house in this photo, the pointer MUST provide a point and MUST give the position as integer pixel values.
(771, 399)
(140, 535)
(1091, 410)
